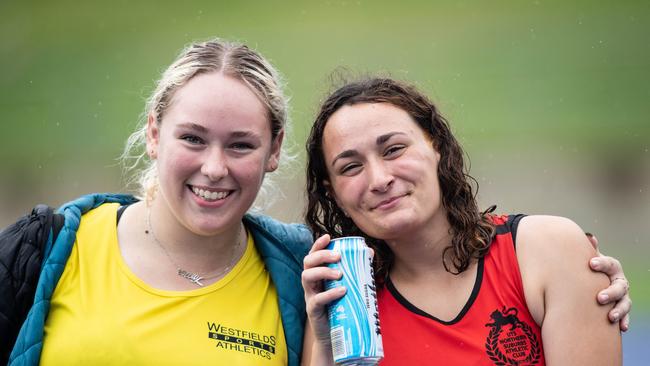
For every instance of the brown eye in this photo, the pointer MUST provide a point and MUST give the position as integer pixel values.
(394, 150)
(350, 168)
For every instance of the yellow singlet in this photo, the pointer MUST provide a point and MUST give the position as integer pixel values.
(102, 314)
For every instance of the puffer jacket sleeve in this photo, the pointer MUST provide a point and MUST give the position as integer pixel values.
(21, 255)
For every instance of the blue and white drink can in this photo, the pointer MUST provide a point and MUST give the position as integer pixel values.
(354, 318)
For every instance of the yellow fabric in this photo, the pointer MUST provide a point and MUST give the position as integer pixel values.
(102, 314)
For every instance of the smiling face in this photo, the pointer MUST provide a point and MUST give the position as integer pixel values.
(382, 169)
(212, 149)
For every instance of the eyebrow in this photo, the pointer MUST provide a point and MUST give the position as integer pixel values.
(383, 138)
(199, 128)
(380, 141)
(193, 126)
(243, 134)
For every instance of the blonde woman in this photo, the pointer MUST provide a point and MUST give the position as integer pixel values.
(186, 275)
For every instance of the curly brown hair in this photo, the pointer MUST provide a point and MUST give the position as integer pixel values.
(471, 230)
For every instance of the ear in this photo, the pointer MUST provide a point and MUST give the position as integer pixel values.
(332, 195)
(153, 136)
(274, 158)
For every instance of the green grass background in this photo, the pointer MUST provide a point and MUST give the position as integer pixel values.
(550, 98)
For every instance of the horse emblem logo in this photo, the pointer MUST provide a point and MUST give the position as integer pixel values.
(511, 341)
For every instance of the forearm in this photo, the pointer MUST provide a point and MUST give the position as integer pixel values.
(315, 352)
(321, 355)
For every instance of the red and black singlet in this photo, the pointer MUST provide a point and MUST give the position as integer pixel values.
(493, 328)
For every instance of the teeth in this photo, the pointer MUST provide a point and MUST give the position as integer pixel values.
(209, 196)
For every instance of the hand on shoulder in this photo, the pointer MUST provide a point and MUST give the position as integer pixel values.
(553, 254)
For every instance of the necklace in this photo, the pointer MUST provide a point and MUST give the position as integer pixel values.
(193, 277)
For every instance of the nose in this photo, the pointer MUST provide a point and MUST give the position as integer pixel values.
(214, 164)
(380, 178)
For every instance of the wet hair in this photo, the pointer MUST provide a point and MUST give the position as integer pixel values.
(230, 58)
(471, 230)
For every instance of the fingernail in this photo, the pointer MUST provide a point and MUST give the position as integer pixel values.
(603, 297)
(595, 262)
(615, 315)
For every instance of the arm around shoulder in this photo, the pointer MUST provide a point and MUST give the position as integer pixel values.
(553, 253)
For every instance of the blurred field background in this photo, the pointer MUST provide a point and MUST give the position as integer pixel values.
(550, 98)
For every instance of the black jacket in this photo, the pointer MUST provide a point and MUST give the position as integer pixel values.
(21, 254)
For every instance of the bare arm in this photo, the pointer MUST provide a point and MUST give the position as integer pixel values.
(559, 288)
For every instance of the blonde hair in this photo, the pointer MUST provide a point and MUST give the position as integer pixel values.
(231, 58)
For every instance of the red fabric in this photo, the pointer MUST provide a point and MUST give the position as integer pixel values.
(496, 328)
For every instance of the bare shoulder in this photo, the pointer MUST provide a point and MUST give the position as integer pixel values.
(553, 254)
(553, 235)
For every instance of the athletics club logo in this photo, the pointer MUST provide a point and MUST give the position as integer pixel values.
(513, 345)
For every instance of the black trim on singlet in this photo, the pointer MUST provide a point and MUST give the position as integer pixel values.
(414, 309)
(510, 226)
(120, 211)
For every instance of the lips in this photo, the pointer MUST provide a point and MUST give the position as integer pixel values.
(387, 202)
(210, 194)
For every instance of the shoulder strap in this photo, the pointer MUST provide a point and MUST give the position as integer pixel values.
(21, 258)
(57, 223)
(513, 224)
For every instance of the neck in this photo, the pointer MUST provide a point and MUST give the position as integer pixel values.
(191, 251)
(420, 254)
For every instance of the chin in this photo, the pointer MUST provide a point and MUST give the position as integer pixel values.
(389, 229)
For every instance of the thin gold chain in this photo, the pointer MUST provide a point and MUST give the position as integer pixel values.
(193, 277)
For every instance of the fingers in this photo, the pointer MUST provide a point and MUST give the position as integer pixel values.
(316, 299)
(316, 304)
(621, 313)
(608, 265)
(617, 291)
(312, 278)
(320, 243)
(619, 286)
(318, 255)
(624, 324)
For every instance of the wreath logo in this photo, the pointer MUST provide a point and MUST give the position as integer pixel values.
(517, 345)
